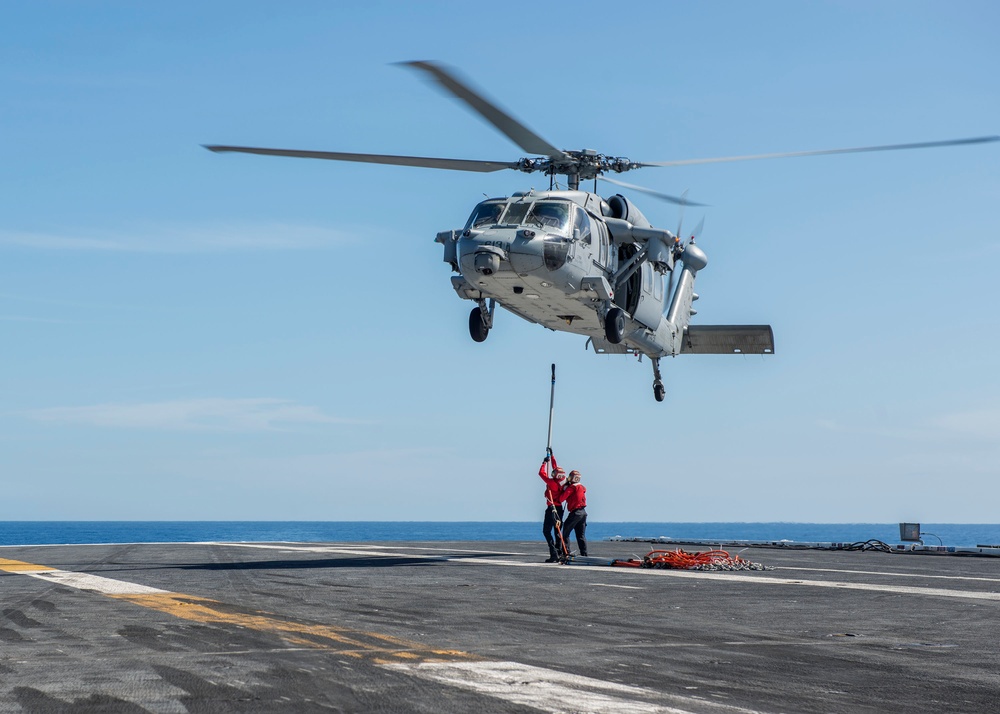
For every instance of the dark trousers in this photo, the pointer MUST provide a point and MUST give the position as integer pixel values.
(577, 522)
(551, 514)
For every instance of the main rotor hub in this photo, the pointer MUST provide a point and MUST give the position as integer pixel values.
(582, 165)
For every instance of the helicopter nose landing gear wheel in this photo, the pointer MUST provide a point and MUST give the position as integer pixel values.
(477, 326)
(659, 391)
(481, 320)
(614, 325)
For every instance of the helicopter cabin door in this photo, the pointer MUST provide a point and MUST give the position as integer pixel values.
(603, 254)
(583, 232)
(627, 292)
(649, 309)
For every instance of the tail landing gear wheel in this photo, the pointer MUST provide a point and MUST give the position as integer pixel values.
(658, 391)
(614, 325)
(477, 326)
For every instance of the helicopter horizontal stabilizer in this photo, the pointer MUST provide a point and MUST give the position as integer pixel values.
(728, 339)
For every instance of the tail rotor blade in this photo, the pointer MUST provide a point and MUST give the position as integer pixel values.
(680, 214)
(697, 230)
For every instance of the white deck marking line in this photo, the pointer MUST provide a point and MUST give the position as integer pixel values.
(552, 691)
(371, 549)
(891, 575)
(611, 585)
(739, 577)
(393, 554)
(92, 583)
(339, 551)
(460, 550)
(733, 578)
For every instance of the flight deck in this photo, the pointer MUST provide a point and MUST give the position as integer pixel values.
(488, 627)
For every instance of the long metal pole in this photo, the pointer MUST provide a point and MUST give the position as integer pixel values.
(552, 401)
(548, 450)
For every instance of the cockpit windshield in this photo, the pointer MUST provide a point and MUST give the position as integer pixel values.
(553, 216)
(550, 215)
(486, 214)
(515, 213)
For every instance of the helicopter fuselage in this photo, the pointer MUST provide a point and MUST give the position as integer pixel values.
(575, 262)
(552, 258)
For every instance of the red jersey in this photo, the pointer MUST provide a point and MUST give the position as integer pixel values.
(553, 485)
(575, 496)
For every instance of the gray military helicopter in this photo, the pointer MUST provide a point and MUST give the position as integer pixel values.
(572, 261)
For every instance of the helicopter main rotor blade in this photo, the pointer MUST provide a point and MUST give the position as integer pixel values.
(889, 147)
(426, 162)
(679, 201)
(517, 132)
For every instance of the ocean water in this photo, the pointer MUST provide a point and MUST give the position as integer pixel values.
(63, 532)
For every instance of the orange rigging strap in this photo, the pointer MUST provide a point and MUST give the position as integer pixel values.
(682, 560)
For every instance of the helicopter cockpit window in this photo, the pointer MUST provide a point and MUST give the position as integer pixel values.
(486, 214)
(550, 215)
(582, 230)
(515, 214)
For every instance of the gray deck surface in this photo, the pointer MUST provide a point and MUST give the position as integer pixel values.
(487, 627)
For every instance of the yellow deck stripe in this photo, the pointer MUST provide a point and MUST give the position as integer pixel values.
(353, 643)
(16, 566)
(358, 642)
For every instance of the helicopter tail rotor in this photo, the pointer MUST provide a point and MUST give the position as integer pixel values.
(677, 243)
(680, 246)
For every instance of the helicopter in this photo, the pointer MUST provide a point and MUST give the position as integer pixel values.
(572, 261)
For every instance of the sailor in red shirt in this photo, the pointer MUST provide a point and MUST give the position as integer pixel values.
(575, 495)
(553, 505)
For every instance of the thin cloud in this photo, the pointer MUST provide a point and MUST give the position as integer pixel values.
(867, 428)
(232, 415)
(976, 424)
(182, 239)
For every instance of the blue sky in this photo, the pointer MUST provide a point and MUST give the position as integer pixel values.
(198, 336)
